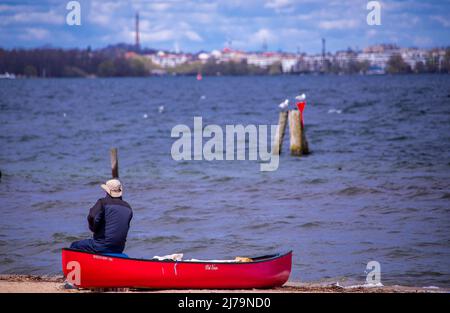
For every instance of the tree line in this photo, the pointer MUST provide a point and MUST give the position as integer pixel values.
(114, 61)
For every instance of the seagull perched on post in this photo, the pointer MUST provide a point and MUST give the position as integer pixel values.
(301, 97)
(284, 104)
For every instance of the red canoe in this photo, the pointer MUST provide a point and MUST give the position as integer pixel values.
(89, 270)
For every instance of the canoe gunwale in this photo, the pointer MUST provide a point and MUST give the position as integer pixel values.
(259, 259)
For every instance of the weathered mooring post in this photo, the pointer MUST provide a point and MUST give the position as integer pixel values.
(279, 135)
(299, 144)
(114, 163)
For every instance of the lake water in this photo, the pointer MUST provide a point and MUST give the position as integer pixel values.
(376, 186)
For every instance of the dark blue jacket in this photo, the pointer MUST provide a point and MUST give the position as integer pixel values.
(109, 220)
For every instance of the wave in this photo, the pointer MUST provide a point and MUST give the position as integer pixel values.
(354, 191)
(311, 224)
(162, 239)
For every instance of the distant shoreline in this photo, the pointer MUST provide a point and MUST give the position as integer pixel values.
(127, 60)
(229, 75)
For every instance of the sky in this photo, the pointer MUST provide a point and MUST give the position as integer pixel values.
(195, 25)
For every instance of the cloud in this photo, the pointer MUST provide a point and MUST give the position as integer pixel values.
(371, 33)
(157, 36)
(192, 36)
(102, 13)
(31, 17)
(152, 35)
(159, 6)
(207, 24)
(102, 20)
(35, 33)
(286, 38)
(262, 35)
(339, 24)
(253, 40)
(278, 4)
(407, 5)
(444, 21)
(422, 41)
(5, 7)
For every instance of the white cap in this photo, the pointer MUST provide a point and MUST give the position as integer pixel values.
(113, 187)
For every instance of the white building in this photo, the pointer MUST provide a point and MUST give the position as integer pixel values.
(289, 64)
(413, 56)
(229, 55)
(203, 57)
(263, 60)
(166, 60)
(378, 60)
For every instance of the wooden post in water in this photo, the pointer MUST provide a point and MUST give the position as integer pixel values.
(114, 163)
(279, 135)
(299, 144)
(305, 148)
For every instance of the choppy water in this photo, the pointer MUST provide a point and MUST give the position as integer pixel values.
(376, 186)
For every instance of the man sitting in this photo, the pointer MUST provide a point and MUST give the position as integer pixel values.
(109, 220)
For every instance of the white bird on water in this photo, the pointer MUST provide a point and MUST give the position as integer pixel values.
(284, 104)
(161, 109)
(335, 111)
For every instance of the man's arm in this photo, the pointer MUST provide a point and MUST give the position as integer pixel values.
(94, 215)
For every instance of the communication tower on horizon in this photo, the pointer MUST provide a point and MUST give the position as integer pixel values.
(323, 55)
(137, 43)
(323, 48)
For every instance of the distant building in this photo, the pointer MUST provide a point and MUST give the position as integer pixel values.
(413, 56)
(229, 55)
(377, 60)
(263, 60)
(168, 60)
(289, 64)
(203, 57)
(371, 60)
